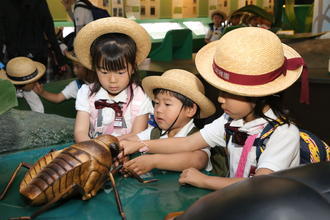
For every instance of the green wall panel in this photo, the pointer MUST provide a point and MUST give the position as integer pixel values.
(166, 9)
(203, 8)
(57, 10)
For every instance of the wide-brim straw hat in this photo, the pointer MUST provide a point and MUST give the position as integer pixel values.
(23, 70)
(97, 28)
(248, 53)
(184, 83)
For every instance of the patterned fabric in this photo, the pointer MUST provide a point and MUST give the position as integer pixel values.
(312, 148)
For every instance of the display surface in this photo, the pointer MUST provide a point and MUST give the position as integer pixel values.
(140, 201)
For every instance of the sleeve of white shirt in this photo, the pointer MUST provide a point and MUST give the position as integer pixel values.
(282, 149)
(146, 106)
(82, 101)
(145, 135)
(34, 101)
(208, 34)
(214, 133)
(70, 90)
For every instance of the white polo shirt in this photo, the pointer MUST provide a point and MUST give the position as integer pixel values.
(145, 135)
(32, 99)
(282, 148)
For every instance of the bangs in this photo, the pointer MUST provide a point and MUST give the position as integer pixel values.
(112, 63)
(113, 52)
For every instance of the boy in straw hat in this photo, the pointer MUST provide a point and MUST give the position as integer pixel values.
(250, 66)
(178, 98)
(24, 73)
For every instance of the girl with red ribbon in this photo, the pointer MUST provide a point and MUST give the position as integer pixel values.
(114, 103)
(251, 67)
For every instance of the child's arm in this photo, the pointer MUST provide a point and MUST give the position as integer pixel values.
(166, 145)
(81, 127)
(194, 177)
(53, 97)
(174, 162)
(140, 124)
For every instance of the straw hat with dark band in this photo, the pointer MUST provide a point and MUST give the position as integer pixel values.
(184, 83)
(23, 70)
(250, 61)
(94, 29)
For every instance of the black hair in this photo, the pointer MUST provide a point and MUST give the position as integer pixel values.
(275, 102)
(88, 3)
(186, 102)
(113, 52)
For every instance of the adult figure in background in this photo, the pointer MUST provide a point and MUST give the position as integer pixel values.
(78, 12)
(27, 29)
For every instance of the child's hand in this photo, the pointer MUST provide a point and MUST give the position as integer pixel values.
(130, 147)
(38, 88)
(141, 164)
(193, 177)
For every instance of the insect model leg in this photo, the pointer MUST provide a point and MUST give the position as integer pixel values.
(71, 189)
(12, 178)
(119, 204)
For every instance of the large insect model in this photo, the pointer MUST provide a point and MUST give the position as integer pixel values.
(80, 168)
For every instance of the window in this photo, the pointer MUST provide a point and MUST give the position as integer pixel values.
(143, 10)
(225, 3)
(152, 11)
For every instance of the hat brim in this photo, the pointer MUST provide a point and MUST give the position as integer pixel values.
(154, 82)
(41, 71)
(204, 61)
(93, 30)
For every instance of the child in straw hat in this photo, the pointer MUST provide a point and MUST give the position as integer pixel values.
(216, 28)
(115, 102)
(250, 66)
(178, 98)
(24, 73)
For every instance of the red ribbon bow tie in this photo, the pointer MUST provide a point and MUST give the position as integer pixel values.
(238, 137)
(102, 103)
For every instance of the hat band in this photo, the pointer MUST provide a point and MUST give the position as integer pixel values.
(24, 78)
(249, 80)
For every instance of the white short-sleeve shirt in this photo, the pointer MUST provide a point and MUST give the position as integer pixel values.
(282, 148)
(145, 135)
(108, 114)
(32, 99)
(71, 90)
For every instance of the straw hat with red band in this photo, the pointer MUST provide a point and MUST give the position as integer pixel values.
(251, 61)
(184, 83)
(23, 70)
(99, 27)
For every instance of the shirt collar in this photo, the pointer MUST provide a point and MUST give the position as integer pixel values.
(183, 131)
(254, 125)
(103, 94)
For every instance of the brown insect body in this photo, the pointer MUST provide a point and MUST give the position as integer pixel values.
(86, 164)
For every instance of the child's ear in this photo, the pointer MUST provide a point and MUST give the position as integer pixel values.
(191, 111)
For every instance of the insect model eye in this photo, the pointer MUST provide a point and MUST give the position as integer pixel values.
(114, 148)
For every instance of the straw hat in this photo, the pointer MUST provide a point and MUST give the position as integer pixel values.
(184, 83)
(221, 13)
(94, 29)
(249, 61)
(23, 70)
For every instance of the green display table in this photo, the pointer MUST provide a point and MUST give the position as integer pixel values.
(140, 201)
